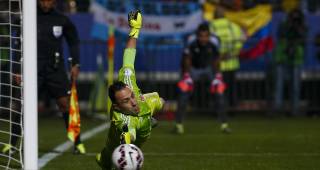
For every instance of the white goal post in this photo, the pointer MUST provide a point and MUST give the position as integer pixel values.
(30, 112)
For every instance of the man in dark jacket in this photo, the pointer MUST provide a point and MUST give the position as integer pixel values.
(52, 77)
(200, 59)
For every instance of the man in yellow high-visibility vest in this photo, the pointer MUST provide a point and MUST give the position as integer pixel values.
(231, 40)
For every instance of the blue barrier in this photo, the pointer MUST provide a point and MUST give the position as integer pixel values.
(165, 56)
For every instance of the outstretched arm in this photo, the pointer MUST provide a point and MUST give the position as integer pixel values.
(127, 73)
(135, 23)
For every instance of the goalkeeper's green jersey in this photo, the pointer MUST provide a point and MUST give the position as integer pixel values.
(139, 126)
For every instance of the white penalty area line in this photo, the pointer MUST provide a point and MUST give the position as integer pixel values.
(57, 151)
(228, 154)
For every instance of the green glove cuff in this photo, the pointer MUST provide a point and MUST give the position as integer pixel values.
(134, 32)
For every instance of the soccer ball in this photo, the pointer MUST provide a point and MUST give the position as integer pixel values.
(127, 157)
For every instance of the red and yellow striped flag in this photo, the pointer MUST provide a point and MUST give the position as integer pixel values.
(74, 114)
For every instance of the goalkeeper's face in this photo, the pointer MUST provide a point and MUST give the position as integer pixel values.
(126, 101)
(46, 5)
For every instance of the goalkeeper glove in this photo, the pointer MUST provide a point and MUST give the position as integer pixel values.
(135, 23)
(125, 137)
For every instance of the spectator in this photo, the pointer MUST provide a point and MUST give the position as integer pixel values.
(288, 59)
(200, 58)
(231, 37)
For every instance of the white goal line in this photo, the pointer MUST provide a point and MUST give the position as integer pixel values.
(57, 151)
(230, 154)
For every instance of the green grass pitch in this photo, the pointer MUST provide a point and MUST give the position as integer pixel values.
(256, 143)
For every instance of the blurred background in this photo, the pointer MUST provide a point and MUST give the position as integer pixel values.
(274, 51)
(168, 23)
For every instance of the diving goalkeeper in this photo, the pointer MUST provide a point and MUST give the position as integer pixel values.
(131, 111)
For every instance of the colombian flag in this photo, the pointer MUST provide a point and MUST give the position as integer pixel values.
(256, 23)
(74, 114)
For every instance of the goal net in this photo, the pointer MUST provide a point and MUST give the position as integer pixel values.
(10, 85)
(13, 84)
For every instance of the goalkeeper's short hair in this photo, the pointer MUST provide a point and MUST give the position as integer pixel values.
(116, 86)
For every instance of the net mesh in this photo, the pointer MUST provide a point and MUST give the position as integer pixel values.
(11, 131)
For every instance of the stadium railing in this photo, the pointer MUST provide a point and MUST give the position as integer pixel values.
(158, 70)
